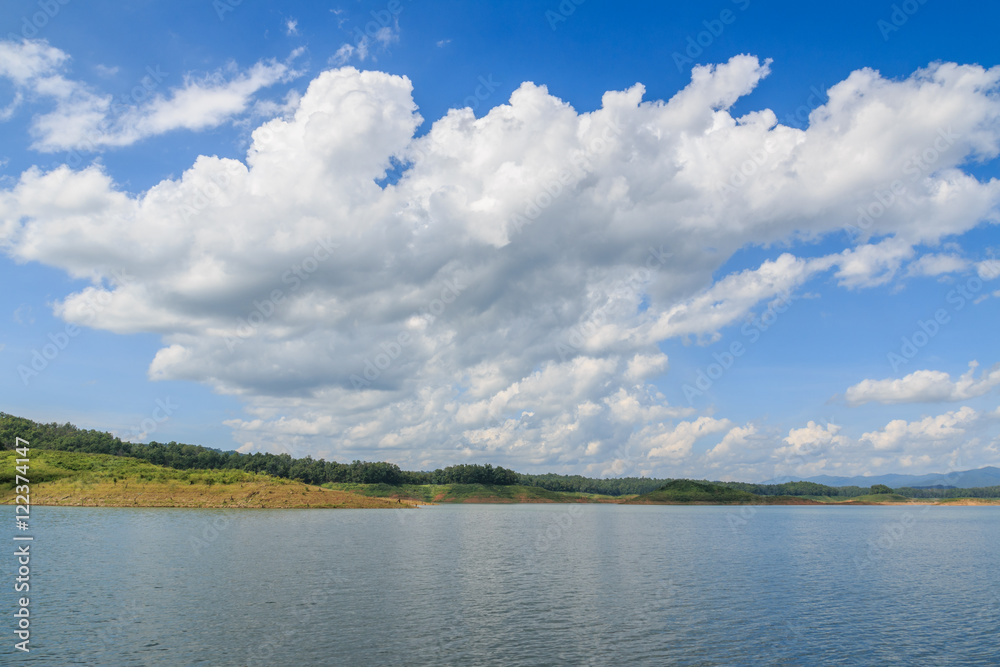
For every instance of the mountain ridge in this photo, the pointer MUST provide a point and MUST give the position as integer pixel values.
(965, 479)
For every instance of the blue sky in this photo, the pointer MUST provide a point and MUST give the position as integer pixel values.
(166, 170)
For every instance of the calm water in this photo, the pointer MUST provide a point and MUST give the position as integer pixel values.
(512, 585)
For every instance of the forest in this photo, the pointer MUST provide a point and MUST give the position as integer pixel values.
(67, 437)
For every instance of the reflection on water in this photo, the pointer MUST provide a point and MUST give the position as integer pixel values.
(515, 584)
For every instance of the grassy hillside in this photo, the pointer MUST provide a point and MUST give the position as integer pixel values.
(878, 498)
(471, 493)
(689, 491)
(100, 480)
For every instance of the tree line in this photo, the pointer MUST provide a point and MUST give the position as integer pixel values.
(67, 437)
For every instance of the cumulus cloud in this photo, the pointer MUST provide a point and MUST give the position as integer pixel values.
(937, 264)
(925, 386)
(731, 298)
(735, 442)
(29, 60)
(677, 442)
(941, 443)
(988, 269)
(813, 438)
(872, 264)
(506, 297)
(939, 430)
(85, 119)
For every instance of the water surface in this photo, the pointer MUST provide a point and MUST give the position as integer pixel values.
(514, 585)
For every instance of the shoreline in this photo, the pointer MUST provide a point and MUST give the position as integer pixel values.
(354, 501)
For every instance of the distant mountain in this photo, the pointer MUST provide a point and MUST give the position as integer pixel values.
(966, 479)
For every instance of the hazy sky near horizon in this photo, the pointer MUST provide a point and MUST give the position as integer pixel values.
(735, 240)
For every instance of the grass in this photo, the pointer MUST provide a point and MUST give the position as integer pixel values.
(472, 493)
(879, 498)
(100, 480)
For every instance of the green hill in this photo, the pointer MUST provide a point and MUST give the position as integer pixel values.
(690, 491)
(878, 498)
(102, 480)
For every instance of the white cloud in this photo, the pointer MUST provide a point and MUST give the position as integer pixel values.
(24, 315)
(988, 269)
(343, 55)
(645, 366)
(937, 264)
(291, 27)
(88, 120)
(736, 442)
(940, 430)
(871, 265)
(367, 45)
(812, 442)
(25, 61)
(508, 295)
(731, 298)
(676, 443)
(925, 387)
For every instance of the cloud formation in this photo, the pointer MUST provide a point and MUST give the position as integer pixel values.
(85, 119)
(925, 387)
(505, 298)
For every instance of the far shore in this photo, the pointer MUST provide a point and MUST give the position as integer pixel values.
(265, 495)
(73, 479)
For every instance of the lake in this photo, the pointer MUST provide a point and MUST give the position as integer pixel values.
(512, 585)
